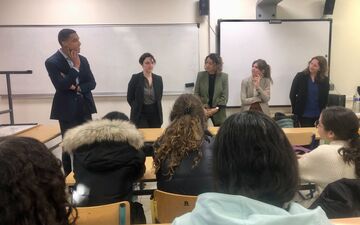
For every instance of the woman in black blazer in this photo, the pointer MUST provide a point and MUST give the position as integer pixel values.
(144, 95)
(309, 92)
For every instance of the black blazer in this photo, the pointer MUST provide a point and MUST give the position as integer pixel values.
(135, 95)
(299, 92)
(66, 102)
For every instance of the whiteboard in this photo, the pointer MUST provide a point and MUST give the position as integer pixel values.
(287, 47)
(113, 52)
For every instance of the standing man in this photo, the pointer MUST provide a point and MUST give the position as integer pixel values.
(73, 80)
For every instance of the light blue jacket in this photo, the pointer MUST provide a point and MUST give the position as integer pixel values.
(220, 209)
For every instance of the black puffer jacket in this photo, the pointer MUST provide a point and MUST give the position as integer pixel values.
(107, 160)
(187, 180)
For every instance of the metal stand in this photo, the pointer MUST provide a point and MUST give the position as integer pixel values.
(9, 94)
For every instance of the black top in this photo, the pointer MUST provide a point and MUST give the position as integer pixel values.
(188, 180)
(211, 88)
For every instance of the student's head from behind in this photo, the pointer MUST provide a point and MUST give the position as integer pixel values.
(339, 123)
(115, 115)
(253, 158)
(147, 61)
(185, 133)
(213, 63)
(69, 40)
(32, 185)
(318, 65)
(260, 67)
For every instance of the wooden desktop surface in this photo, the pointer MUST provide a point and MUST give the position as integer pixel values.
(152, 134)
(42, 132)
(344, 221)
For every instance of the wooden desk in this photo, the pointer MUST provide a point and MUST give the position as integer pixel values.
(152, 134)
(42, 132)
(346, 221)
(149, 174)
(46, 133)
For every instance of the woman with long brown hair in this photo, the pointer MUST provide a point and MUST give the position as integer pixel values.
(338, 159)
(309, 91)
(183, 154)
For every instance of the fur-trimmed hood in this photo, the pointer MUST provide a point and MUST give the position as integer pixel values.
(102, 130)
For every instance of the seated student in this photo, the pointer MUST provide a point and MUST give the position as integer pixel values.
(183, 154)
(32, 184)
(107, 159)
(256, 176)
(338, 159)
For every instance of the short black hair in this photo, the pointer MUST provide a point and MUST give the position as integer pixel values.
(64, 34)
(253, 158)
(144, 56)
(115, 115)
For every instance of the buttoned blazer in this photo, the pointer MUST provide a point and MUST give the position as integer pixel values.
(66, 102)
(262, 95)
(135, 95)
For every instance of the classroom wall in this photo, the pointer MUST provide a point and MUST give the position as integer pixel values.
(345, 39)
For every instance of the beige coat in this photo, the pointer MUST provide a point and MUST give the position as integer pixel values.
(250, 95)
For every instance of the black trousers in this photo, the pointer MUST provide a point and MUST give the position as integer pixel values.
(149, 117)
(64, 126)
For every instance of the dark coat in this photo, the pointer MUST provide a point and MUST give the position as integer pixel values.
(187, 180)
(340, 199)
(66, 102)
(299, 92)
(107, 160)
(135, 95)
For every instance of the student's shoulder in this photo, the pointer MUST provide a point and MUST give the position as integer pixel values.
(54, 58)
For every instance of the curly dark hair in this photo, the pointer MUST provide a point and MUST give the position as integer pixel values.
(345, 125)
(253, 158)
(32, 185)
(184, 135)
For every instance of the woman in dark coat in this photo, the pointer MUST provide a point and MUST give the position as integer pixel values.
(309, 92)
(107, 160)
(183, 154)
(144, 95)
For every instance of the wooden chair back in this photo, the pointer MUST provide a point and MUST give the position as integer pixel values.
(110, 214)
(166, 206)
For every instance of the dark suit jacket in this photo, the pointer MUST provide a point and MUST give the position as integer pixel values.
(135, 95)
(299, 93)
(66, 102)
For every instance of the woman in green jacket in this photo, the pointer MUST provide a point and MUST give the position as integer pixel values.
(213, 89)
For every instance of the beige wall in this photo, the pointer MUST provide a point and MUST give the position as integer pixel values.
(345, 51)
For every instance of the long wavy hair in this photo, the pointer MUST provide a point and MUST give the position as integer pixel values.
(262, 65)
(345, 125)
(32, 185)
(322, 74)
(184, 135)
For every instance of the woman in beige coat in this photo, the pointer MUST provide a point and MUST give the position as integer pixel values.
(255, 90)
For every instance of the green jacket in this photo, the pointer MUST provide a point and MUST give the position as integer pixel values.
(220, 98)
